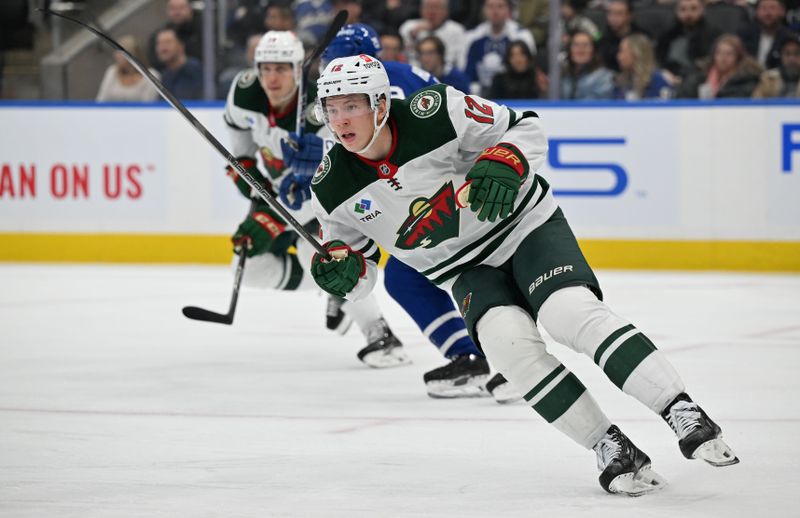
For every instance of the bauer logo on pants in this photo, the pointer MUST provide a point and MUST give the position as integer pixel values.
(558, 270)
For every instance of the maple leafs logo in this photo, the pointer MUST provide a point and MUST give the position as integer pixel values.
(430, 221)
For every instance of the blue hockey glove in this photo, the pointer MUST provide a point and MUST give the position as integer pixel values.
(302, 154)
(294, 191)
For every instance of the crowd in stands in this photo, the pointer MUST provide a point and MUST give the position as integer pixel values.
(610, 49)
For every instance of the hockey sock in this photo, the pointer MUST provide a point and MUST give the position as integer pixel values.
(576, 318)
(514, 346)
(277, 272)
(431, 308)
(365, 312)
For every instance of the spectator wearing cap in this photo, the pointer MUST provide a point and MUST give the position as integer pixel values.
(765, 37)
(573, 19)
(730, 73)
(434, 21)
(182, 75)
(583, 77)
(619, 24)
(784, 80)
(486, 44)
(521, 79)
(188, 28)
(430, 51)
(639, 77)
(682, 48)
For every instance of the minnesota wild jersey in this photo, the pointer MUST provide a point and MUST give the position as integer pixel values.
(411, 201)
(257, 130)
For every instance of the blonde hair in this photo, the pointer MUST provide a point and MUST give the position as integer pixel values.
(644, 64)
(131, 44)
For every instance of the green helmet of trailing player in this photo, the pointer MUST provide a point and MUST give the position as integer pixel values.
(360, 74)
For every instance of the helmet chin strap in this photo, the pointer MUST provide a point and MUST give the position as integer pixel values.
(377, 129)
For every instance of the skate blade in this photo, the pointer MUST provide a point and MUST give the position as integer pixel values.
(386, 359)
(471, 387)
(343, 327)
(716, 453)
(506, 395)
(643, 482)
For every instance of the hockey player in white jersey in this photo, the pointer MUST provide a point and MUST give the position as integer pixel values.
(474, 215)
(261, 111)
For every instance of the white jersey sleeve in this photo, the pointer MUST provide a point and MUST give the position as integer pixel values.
(480, 123)
(240, 121)
(331, 229)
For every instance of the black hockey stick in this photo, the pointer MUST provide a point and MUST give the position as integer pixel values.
(171, 99)
(204, 315)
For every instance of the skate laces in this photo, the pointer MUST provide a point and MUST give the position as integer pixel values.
(609, 447)
(377, 331)
(684, 417)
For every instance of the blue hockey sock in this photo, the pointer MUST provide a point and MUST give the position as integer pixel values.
(431, 308)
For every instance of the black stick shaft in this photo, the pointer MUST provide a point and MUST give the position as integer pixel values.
(170, 98)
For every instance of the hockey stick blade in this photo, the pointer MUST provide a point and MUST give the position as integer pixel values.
(198, 126)
(205, 315)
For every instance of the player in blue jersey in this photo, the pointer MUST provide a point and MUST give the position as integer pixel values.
(431, 308)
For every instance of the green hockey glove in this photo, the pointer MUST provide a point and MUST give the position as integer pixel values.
(261, 232)
(250, 165)
(338, 276)
(495, 180)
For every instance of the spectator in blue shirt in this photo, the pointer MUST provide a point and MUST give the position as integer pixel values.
(182, 75)
(639, 77)
(583, 77)
(431, 54)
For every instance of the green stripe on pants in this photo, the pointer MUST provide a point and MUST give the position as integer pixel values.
(627, 357)
(557, 401)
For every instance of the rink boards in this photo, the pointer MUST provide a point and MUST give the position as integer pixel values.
(684, 185)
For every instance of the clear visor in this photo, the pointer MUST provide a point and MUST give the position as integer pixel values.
(339, 109)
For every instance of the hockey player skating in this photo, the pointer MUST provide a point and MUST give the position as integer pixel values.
(430, 307)
(475, 216)
(261, 111)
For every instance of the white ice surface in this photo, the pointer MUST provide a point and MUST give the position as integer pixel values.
(112, 404)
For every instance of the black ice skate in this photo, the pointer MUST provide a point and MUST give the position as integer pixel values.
(336, 319)
(464, 376)
(501, 390)
(698, 436)
(624, 468)
(384, 349)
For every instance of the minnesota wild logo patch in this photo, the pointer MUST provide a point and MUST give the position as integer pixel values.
(465, 304)
(322, 170)
(430, 221)
(426, 103)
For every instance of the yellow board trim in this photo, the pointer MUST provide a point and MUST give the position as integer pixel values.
(772, 256)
